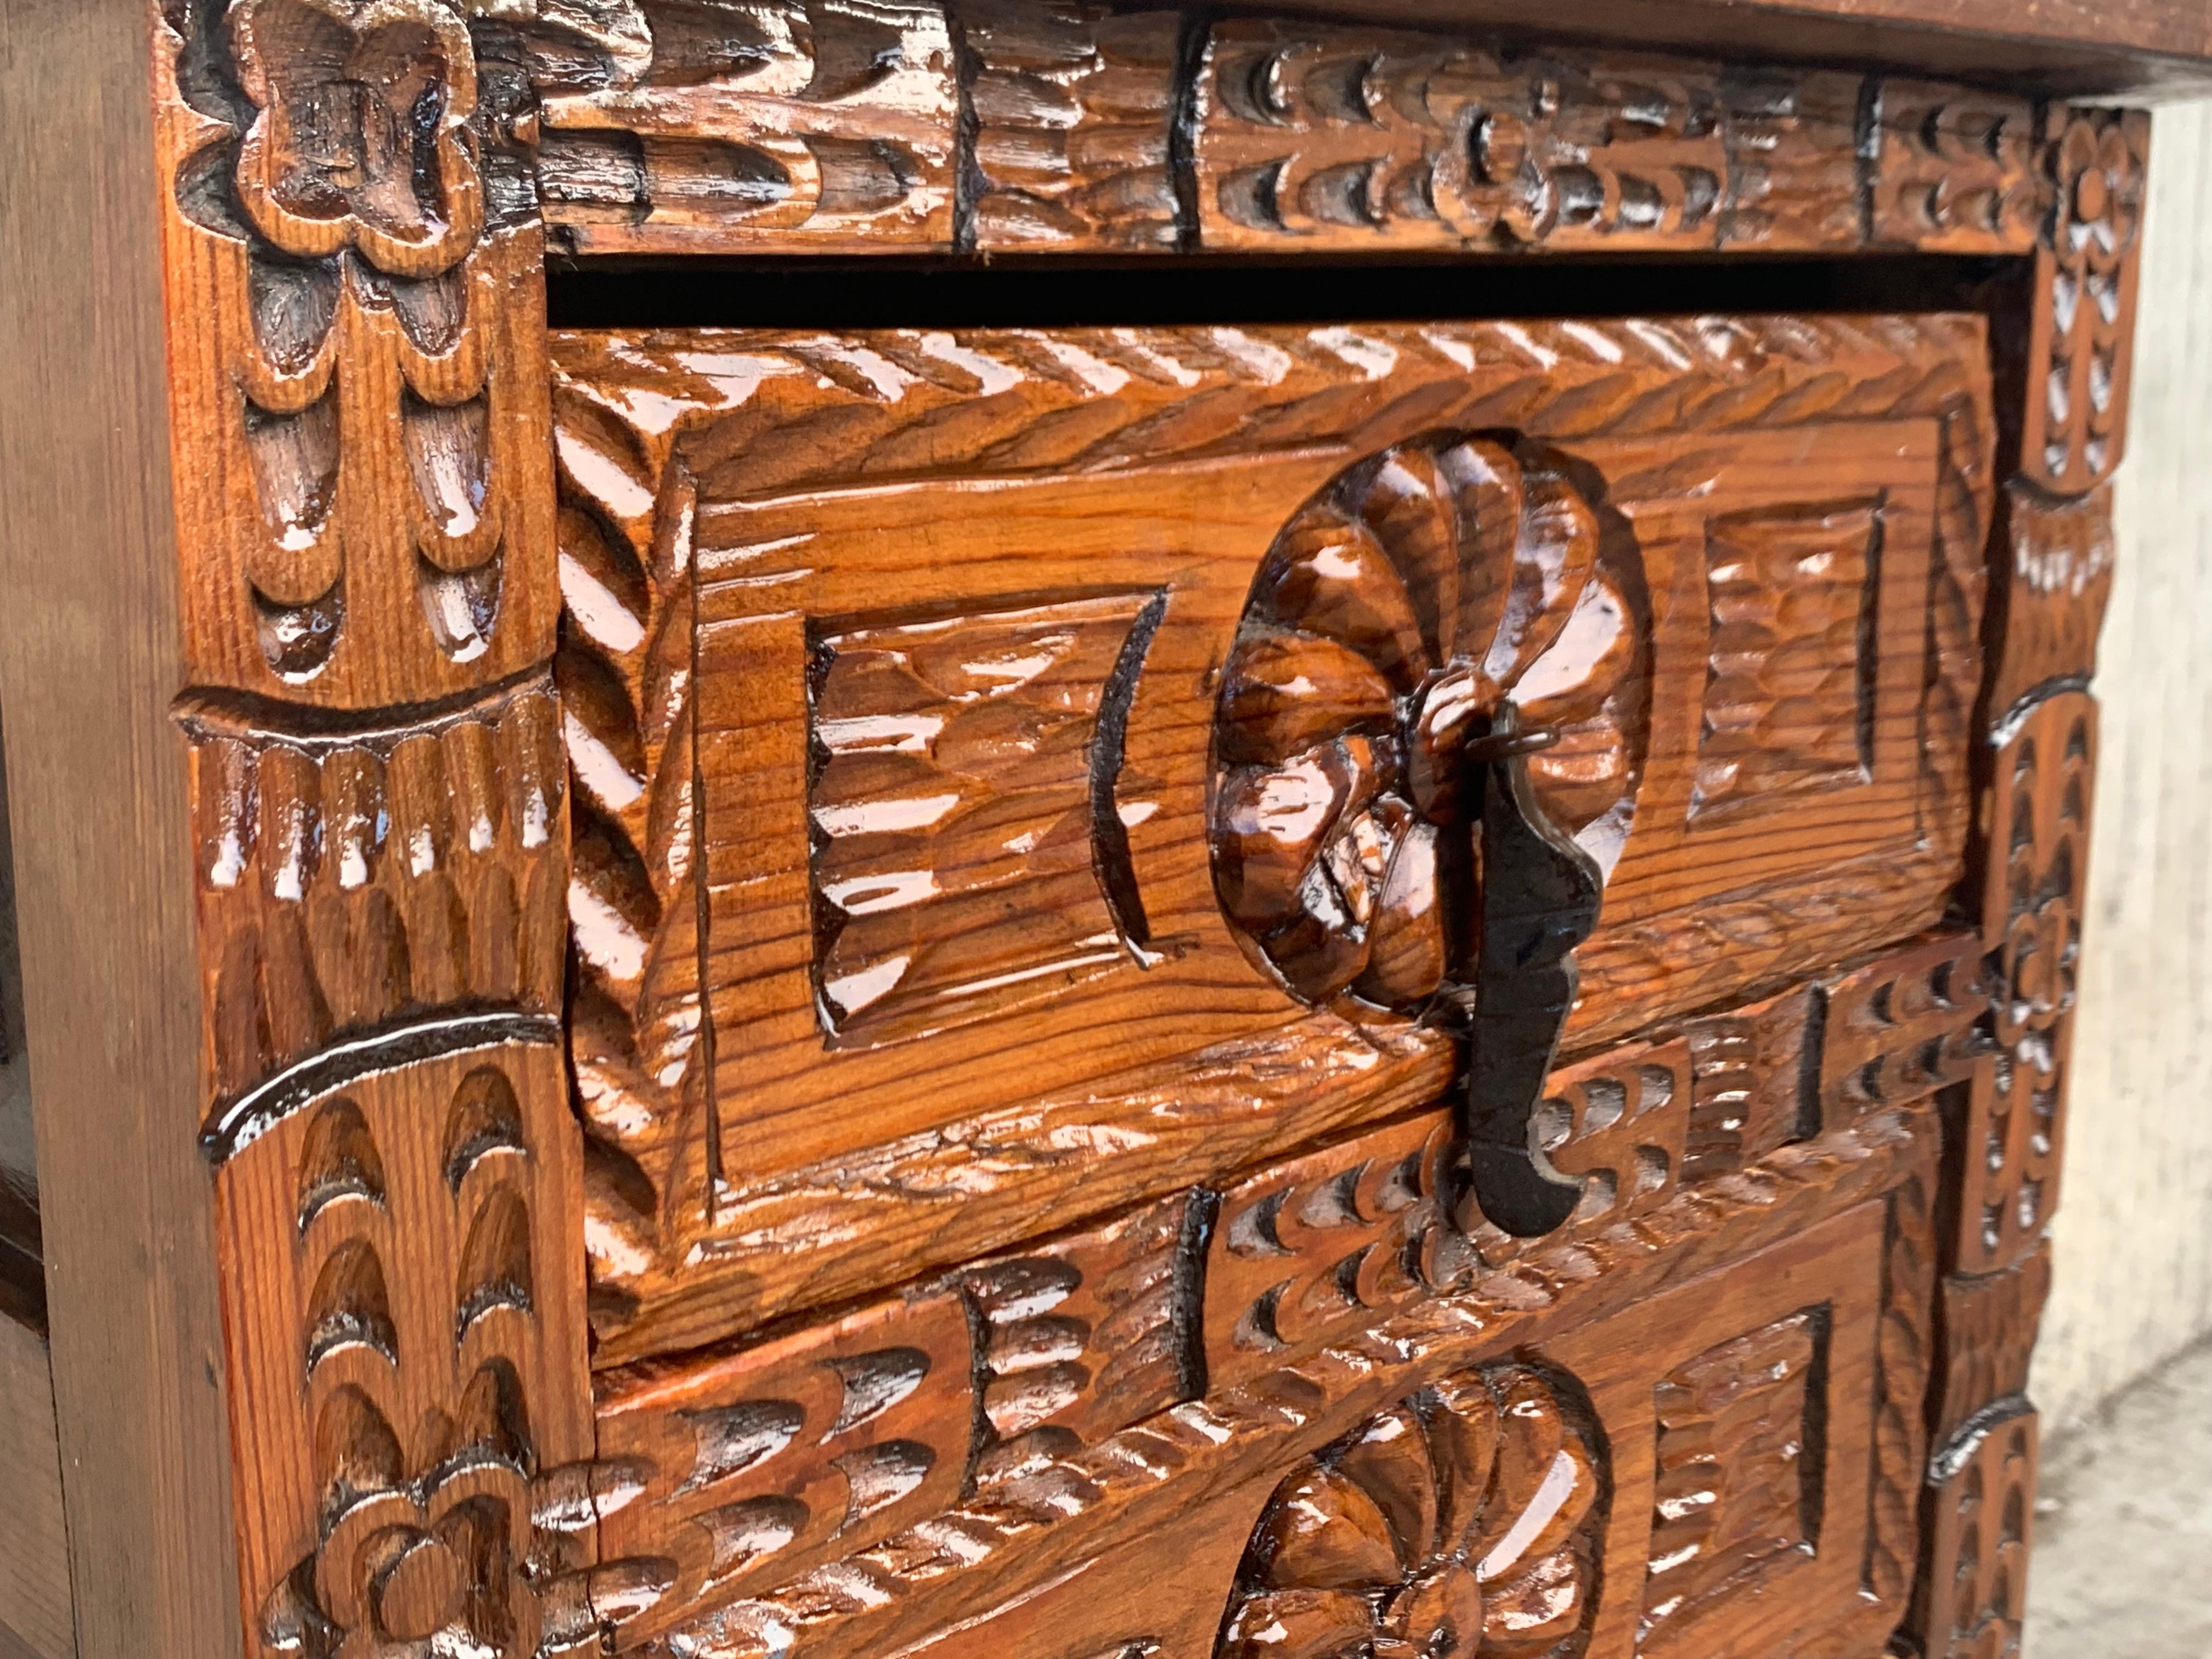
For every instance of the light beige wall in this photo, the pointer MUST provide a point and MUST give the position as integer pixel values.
(2134, 1281)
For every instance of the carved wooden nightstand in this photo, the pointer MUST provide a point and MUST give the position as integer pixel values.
(875, 827)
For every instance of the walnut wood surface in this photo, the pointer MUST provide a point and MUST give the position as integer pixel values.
(1764, 805)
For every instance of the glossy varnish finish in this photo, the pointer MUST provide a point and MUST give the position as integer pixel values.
(365, 513)
(1072, 127)
(909, 862)
(1355, 989)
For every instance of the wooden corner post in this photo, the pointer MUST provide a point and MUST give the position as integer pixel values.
(361, 450)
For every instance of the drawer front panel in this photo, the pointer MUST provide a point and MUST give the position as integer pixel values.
(1725, 1397)
(938, 885)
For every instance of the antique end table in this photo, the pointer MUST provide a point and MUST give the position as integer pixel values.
(865, 828)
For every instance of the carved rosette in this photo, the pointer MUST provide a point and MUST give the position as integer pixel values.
(358, 134)
(1462, 1521)
(1394, 617)
(361, 414)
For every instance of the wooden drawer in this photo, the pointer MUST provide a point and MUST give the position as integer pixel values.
(1055, 736)
(1034, 857)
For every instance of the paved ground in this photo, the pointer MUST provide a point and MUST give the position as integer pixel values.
(2122, 1567)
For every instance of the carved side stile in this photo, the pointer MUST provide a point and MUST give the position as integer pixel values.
(2088, 266)
(365, 519)
(2035, 760)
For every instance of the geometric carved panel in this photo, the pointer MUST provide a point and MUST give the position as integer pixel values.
(1735, 1486)
(960, 770)
(1314, 1246)
(752, 1463)
(1903, 1027)
(1790, 695)
(1741, 1411)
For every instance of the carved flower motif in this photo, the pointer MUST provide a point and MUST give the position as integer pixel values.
(424, 1570)
(1459, 1523)
(2099, 207)
(1389, 622)
(359, 139)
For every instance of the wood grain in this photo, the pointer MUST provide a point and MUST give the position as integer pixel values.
(2069, 46)
(368, 568)
(1314, 136)
(1078, 721)
(1468, 1514)
(2048, 600)
(829, 126)
(370, 537)
(1747, 1082)
(35, 1604)
(22, 1273)
(1763, 817)
(404, 1288)
(90, 654)
(1987, 1333)
(25, 1285)
(1074, 117)
(2121, 1302)
(351, 882)
(1903, 1027)
(1730, 1477)
(2080, 346)
(2015, 1131)
(1982, 1502)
